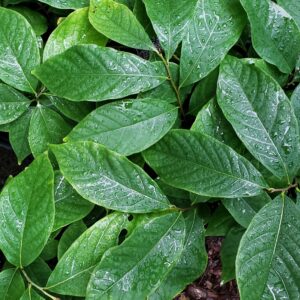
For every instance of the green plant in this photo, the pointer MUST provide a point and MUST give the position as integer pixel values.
(123, 192)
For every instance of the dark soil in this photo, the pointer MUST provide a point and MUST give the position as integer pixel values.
(208, 287)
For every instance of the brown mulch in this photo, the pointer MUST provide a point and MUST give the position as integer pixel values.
(208, 287)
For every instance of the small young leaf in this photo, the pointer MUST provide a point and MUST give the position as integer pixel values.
(271, 245)
(76, 73)
(11, 285)
(19, 52)
(108, 179)
(27, 212)
(261, 115)
(215, 28)
(275, 35)
(142, 122)
(201, 164)
(74, 30)
(73, 271)
(117, 22)
(157, 243)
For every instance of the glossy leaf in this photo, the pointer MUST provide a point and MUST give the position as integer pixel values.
(46, 127)
(158, 244)
(261, 115)
(69, 206)
(66, 4)
(275, 35)
(292, 7)
(108, 179)
(201, 164)
(11, 285)
(12, 103)
(271, 245)
(215, 28)
(295, 99)
(76, 73)
(73, 271)
(23, 237)
(244, 209)
(127, 127)
(74, 30)
(19, 53)
(170, 19)
(117, 22)
(192, 262)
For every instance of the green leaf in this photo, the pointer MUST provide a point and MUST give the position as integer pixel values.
(73, 271)
(275, 35)
(201, 164)
(142, 122)
(27, 212)
(292, 7)
(215, 28)
(267, 264)
(295, 99)
(76, 73)
(69, 206)
(19, 52)
(38, 272)
(11, 285)
(170, 20)
(244, 209)
(46, 127)
(50, 250)
(75, 111)
(219, 223)
(261, 115)
(35, 19)
(211, 121)
(108, 179)
(69, 236)
(157, 243)
(63, 4)
(18, 136)
(30, 294)
(12, 104)
(192, 262)
(117, 22)
(74, 30)
(229, 251)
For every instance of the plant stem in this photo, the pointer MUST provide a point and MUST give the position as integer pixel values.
(37, 286)
(283, 190)
(175, 88)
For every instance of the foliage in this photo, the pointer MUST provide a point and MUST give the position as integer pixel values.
(150, 124)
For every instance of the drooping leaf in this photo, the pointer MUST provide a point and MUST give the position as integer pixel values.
(11, 285)
(73, 271)
(275, 35)
(215, 28)
(127, 127)
(69, 236)
(108, 179)
(292, 7)
(69, 206)
(201, 164)
(158, 244)
(46, 127)
(19, 52)
(31, 294)
(117, 22)
(74, 30)
(69, 4)
(170, 19)
(76, 73)
(192, 262)
(18, 135)
(261, 115)
(271, 245)
(12, 103)
(35, 19)
(22, 236)
(228, 253)
(244, 209)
